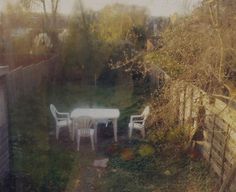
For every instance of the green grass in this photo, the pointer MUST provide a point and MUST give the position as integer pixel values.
(36, 156)
(160, 172)
(40, 163)
(71, 96)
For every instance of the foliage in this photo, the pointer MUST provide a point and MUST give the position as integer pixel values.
(122, 181)
(96, 40)
(163, 129)
(168, 64)
(40, 163)
(146, 150)
(115, 22)
(127, 154)
(136, 164)
(50, 17)
(16, 15)
(175, 139)
(164, 171)
(34, 157)
(177, 136)
(45, 5)
(198, 48)
(17, 43)
(135, 156)
(194, 49)
(83, 51)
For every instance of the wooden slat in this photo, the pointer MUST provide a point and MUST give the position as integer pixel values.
(227, 182)
(19, 82)
(216, 168)
(219, 148)
(216, 158)
(233, 185)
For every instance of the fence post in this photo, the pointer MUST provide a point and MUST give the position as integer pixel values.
(212, 137)
(178, 106)
(223, 156)
(191, 112)
(229, 179)
(184, 105)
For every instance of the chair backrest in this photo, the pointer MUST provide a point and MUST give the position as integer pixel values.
(53, 111)
(84, 123)
(145, 112)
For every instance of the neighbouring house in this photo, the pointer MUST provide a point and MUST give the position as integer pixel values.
(20, 32)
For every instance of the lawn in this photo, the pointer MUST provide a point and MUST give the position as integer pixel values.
(41, 163)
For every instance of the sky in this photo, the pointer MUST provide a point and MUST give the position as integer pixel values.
(155, 7)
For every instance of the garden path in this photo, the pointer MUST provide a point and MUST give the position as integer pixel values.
(84, 175)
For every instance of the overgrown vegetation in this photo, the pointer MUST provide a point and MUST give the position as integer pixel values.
(40, 163)
(199, 48)
(91, 45)
(196, 49)
(153, 170)
(108, 48)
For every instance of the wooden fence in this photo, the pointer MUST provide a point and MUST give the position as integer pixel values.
(4, 148)
(219, 145)
(24, 80)
(13, 85)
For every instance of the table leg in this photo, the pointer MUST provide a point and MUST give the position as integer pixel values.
(73, 131)
(114, 122)
(96, 132)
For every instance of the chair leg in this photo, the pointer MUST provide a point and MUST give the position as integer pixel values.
(96, 134)
(78, 140)
(70, 132)
(92, 141)
(57, 132)
(143, 132)
(130, 132)
(73, 133)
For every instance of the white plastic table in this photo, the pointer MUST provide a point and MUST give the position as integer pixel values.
(99, 114)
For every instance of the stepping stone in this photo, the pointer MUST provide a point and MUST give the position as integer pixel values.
(101, 163)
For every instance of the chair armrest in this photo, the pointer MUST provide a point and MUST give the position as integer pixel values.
(62, 118)
(137, 117)
(66, 115)
(137, 121)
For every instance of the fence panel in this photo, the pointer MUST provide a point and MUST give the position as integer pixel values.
(219, 146)
(24, 80)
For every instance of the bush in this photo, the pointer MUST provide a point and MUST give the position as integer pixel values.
(136, 156)
(177, 136)
(146, 150)
(127, 154)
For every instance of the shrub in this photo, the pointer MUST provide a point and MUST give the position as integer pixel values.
(146, 150)
(177, 136)
(127, 154)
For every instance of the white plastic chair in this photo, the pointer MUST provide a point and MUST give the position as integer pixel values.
(84, 127)
(61, 120)
(138, 122)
